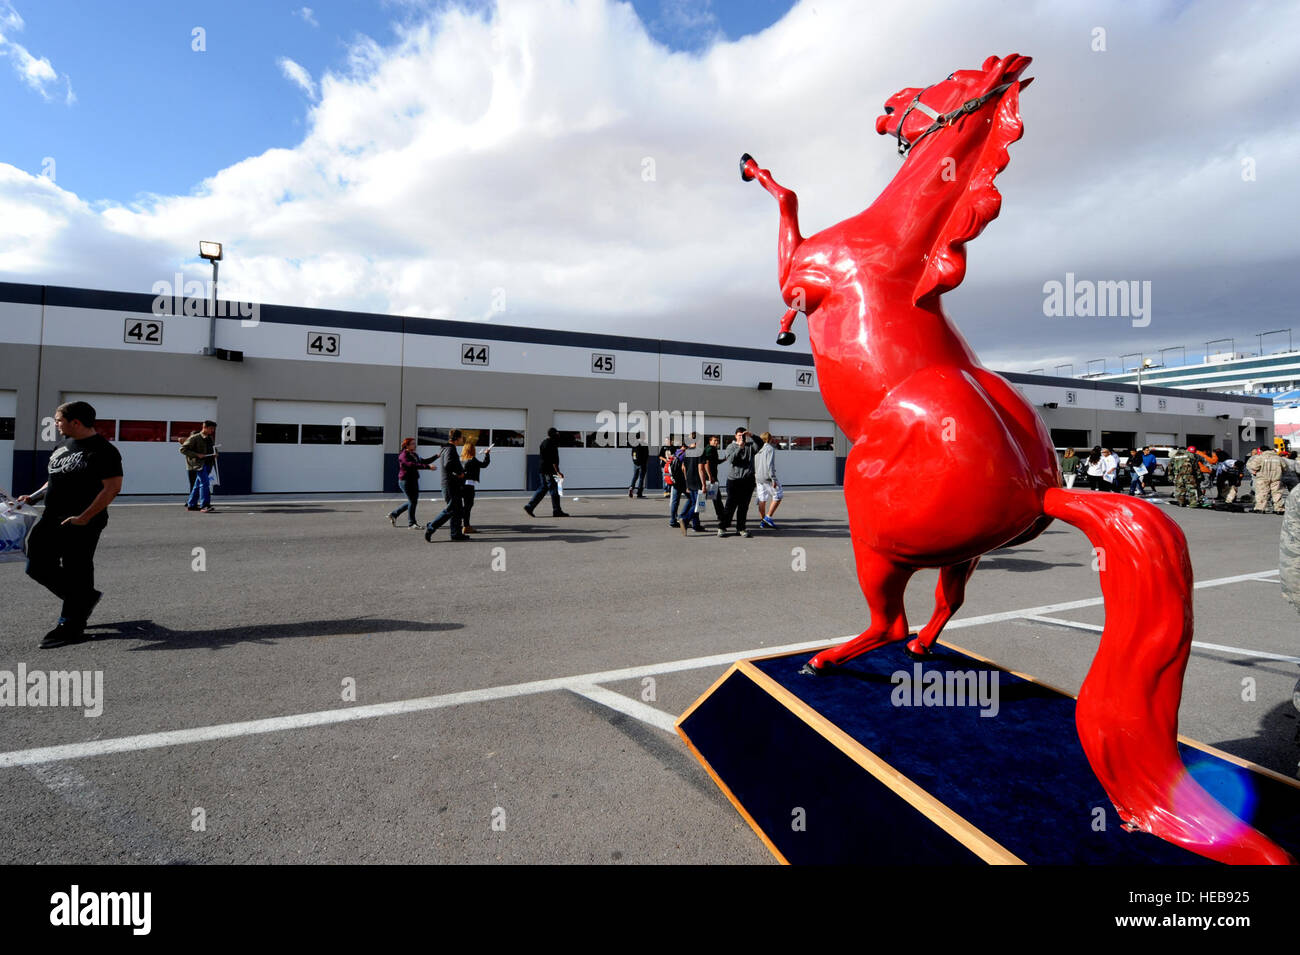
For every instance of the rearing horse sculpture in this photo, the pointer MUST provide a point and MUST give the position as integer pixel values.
(904, 386)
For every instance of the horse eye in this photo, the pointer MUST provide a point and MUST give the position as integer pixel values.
(889, 111)
(951, 75)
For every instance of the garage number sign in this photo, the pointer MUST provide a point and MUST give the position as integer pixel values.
(472, 354)
(324, 343)
(142, 331)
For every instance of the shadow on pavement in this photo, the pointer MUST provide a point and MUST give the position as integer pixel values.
(165, 638)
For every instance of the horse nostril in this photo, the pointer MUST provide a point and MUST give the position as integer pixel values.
(889, 111)
(785, 338)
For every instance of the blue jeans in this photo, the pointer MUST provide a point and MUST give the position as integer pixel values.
(688, 498)
(411, 487)
(548, 484)
(673, 496)
(201, 492)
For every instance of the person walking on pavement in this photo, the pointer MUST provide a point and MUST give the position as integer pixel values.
(550, 473)
(473, 467)
(200, 455)
(85, 474)
(1266, 471)
(766, 481)
(740, 481)
(640, 461)
(409, 466)
(453, 482)
(709, 475)
(1183, 471)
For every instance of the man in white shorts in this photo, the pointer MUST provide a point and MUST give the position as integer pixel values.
(769, 486)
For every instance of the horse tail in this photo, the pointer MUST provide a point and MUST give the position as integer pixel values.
(1127, 713)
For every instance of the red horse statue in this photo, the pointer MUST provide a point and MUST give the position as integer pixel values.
(904, 386)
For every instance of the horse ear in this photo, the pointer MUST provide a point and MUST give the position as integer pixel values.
(990, 63)
(1024, 83)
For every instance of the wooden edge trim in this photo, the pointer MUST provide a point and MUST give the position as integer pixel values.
(726, 791)
(704, 696)
(984, 846)
(1245, 763)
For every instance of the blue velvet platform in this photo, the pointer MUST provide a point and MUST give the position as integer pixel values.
(829, 770)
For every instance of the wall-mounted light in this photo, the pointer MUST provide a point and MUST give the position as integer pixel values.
(764, 386)
(1050, 404)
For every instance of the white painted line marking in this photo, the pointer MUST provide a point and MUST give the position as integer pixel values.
(1064, 623)
(625, 704)
(1246, 653)
(126, 744)
(1200, 645)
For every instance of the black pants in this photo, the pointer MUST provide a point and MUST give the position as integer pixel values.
(638, 479)
(467, 502)
(412, 488)
(61, 558)
(191, 475)
(738, 496)
(452, 512)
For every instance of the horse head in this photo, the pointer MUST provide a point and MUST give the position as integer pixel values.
(914, 113)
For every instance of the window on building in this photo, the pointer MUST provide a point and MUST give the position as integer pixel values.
(367, 434)
(824, 444)
(507, 438)
(135, 430)
(107, 427)
(180, 430)
(276, 433)
(437, 436)
(322, 434)
(799, 442)
(6, 429)
(569, 439)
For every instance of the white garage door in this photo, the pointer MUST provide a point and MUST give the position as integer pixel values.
(586, 458)
(8, 411)
(503, 427)
(805, 451)
(147, 430)
(317, 446)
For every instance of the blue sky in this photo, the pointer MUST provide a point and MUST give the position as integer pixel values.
(153, 115)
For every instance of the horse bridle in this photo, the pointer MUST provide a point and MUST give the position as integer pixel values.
(940, 120)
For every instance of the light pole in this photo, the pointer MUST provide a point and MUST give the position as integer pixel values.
(1182, 360)
(212, 252)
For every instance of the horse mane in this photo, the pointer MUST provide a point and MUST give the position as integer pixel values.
(979, 204)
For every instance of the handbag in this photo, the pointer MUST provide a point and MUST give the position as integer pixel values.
(15, 522)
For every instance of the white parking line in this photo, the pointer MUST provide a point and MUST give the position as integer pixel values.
(627, 705)
(1197, 644)
(583, 684)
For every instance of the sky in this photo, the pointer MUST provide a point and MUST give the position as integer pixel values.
(572, 163)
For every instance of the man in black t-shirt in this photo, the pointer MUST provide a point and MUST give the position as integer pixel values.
(85, 474)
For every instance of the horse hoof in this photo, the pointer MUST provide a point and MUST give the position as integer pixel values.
(745, 160)
(917, 653)
(809, 670)
(785, 338)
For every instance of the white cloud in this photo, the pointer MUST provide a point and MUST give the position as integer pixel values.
(513, 149)
(36, 72)
(296, 74)
(307, 16)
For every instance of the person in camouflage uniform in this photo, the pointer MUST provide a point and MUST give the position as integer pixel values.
(1183, 471)
(1266, 471)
